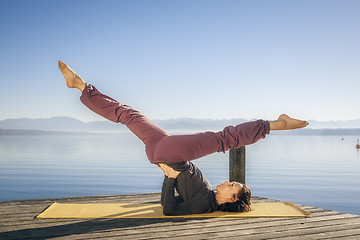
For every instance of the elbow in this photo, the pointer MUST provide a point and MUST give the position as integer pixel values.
(168, 212)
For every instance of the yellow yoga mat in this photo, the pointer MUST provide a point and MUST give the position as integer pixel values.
(113, 210)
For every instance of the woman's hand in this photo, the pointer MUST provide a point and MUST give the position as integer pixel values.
(168, 171)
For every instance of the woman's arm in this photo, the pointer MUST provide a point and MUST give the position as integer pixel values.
(171, 204)
(168, 184)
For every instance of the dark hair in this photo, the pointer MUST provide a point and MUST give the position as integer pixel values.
(240, 205)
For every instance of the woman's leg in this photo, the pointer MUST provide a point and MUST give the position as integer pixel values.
(171, 149)
(178, 148)
(146, 130)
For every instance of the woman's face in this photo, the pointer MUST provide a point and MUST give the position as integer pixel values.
(228, 189)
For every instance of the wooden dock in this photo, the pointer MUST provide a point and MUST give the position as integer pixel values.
(18, 222)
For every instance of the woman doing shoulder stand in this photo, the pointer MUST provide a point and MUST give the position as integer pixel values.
(173, 153)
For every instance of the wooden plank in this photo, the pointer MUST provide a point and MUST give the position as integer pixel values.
(229, 229)
(237, 164)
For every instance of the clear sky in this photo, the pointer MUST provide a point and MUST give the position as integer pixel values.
(190, 58)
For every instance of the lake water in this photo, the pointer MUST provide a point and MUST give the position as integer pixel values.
(321, 171)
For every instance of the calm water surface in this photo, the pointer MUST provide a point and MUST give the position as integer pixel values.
(321, 171)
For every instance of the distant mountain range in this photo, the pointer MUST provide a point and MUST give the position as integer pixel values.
(67, 124)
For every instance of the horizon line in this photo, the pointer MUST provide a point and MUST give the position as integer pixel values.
(192, 118)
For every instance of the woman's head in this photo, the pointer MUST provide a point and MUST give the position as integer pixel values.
(233, 197)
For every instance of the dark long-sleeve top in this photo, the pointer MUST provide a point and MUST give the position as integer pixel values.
(195, 194)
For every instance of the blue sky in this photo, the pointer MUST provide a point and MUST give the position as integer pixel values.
(169, 59)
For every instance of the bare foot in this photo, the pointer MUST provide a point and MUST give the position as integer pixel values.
(72, 79)
(284, 122)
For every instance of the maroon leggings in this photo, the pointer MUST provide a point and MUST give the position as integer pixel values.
(159, 146)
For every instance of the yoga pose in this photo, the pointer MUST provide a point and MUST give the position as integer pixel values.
(172, 154)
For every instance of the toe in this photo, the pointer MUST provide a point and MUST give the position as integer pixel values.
(61, 65)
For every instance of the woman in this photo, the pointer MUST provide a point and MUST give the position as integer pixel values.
(172, 154)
